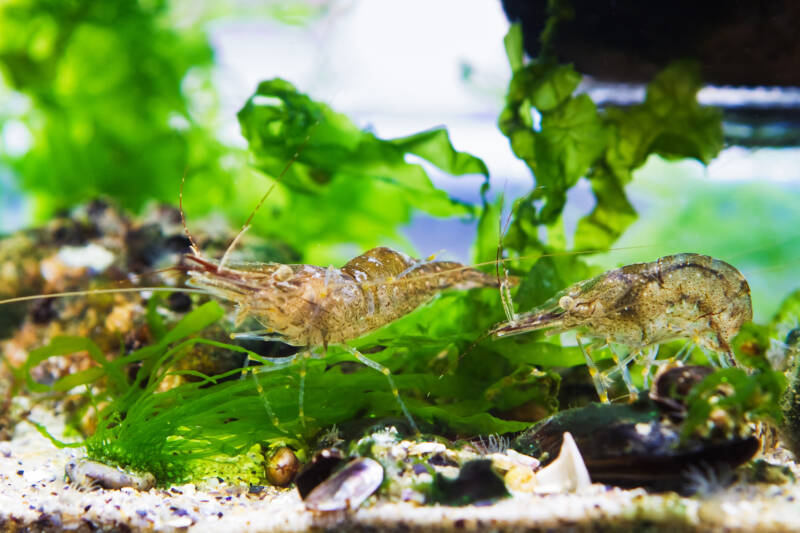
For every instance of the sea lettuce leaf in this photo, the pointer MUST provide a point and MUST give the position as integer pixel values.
(563, 137)
(346, 184)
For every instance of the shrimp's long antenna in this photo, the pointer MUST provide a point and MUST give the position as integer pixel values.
(504, 285)
(286, 168)
(192, 244)
(99, 291)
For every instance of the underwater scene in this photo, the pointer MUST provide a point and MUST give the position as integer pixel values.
(332, 265)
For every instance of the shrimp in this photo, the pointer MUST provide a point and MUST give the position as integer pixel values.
(314, 307)
(682, 296)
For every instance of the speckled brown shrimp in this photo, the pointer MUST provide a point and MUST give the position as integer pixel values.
(311, 306)
(683, 296)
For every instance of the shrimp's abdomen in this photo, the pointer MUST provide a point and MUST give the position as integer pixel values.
(690, 296)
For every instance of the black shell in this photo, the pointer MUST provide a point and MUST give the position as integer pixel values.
(634, 445)
(318, 470)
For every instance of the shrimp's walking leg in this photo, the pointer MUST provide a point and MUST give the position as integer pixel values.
(685, 352)
(505, 298)
(725, 352)
(262, 393)
(386, 372)
(505, 285)
(622, 366)
(301, 412)
(597, 378)
(648, 363)
(255, 334)
(726, 357)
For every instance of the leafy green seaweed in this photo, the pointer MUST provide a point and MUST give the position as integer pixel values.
(336, 164)
(573, 140)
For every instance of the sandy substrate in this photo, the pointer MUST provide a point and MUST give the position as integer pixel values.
(34, 497)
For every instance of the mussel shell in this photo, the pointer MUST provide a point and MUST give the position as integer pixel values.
(633, 445)
(543, 440)
(348, 488)
(318, 470)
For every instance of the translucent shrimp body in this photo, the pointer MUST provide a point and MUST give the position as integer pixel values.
(309, 305)
(683, 296)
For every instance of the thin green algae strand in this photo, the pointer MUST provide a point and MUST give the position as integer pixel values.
(208, 426)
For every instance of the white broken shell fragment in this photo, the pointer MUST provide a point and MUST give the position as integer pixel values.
(424, 448)
(348, 488)
(91, 256)
(567, 473)
(522, 459)
(90, 474)
(510, 459)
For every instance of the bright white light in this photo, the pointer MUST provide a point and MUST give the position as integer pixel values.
(16, 138)
(178, 122)
(266, 101)
(779, 165)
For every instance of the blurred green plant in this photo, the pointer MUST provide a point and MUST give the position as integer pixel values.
(112, 101)
(120, 104)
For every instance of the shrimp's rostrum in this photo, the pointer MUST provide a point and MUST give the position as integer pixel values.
(312, 306)
(683, 296)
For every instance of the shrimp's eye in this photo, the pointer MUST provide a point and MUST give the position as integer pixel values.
(566, 303)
